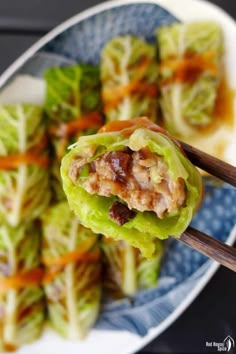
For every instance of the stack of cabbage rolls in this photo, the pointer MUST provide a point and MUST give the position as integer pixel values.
(24, 194)
(70, 252)
(73, 108)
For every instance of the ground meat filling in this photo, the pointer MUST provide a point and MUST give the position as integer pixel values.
(140, 178)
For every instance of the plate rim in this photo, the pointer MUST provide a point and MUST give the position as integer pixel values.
(65, 25)
(93, 10)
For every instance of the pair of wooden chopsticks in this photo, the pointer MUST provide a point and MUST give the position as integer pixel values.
(207, 245)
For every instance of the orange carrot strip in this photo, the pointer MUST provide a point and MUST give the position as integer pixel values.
(30, 278)
(88, 257)
(68, 129)
(72, 256)
(29, 158)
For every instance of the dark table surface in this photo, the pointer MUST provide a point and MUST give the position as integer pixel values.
(212, 316)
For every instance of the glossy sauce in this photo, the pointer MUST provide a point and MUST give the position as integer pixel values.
(189, 68)
(217, 135)
(224, 107)
(223, 113)
(10, 348)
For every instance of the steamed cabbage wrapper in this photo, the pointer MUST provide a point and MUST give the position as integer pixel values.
(190, 71)
(131, 182)
(72, 281)
(129, 76)
(73, 107)
(126, 270)
(22, 308)
(129, 88)
(24, 163)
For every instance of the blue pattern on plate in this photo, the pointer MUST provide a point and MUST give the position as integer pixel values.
(183, 267)
(84, 41)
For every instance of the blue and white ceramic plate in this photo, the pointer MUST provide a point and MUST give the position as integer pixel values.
(125, 327)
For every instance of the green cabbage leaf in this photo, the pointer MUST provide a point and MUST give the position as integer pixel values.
(73, 295)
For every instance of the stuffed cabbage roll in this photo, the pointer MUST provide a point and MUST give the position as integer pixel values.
(126, 270)
(129, 76)
(22, 308)
(132, 182)
(73, 107)
(72, 281)
(24, 163)
(190, 71)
